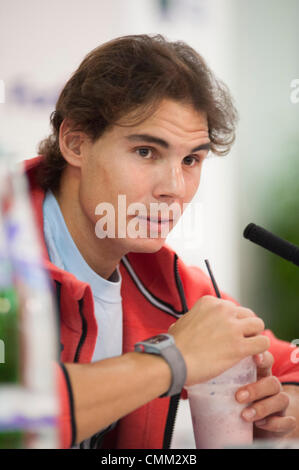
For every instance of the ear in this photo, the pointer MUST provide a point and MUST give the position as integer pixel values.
(71, 143)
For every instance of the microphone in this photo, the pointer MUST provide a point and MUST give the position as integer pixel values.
(272, 242)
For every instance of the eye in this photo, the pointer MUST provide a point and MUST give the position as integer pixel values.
(191, 160)
(145, 152)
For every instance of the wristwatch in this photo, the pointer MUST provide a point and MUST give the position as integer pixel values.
(164, 345)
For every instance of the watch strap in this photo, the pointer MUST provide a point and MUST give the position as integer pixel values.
(177, 364)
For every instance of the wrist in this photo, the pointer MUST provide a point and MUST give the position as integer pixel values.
(157, 370)
(163, 345)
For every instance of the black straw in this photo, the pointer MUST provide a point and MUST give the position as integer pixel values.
(213, 279)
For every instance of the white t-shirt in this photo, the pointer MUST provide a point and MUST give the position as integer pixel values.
(64, 253)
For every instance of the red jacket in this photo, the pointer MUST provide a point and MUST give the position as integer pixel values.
(156, 290)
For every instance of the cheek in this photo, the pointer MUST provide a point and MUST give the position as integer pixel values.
(100, 178)
(94, 183)
(95, 188)
(132, 181)
(192, 186)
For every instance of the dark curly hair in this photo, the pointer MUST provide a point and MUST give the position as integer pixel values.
(131, 75)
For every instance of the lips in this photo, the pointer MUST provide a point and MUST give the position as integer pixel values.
(158, 220)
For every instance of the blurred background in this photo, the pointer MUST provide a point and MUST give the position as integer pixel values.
(252, 45)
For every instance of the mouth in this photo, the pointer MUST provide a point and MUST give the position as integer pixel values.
(155, 220)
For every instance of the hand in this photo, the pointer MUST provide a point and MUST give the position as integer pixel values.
(269, 402)
(216, 334)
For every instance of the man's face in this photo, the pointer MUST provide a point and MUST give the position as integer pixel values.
(157, 161)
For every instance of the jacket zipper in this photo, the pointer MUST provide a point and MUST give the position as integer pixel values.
(174, 401)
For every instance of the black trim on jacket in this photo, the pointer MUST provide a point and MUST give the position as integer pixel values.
(58, 296)
(160, 304)
(84, 331)
(70, 391)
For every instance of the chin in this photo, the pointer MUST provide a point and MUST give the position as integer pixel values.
(146, 245)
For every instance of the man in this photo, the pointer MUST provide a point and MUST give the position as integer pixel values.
(137, 119)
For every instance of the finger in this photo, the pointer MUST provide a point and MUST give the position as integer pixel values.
(265, 387)
(252, 326)
(243, 312)
(277, 424)
(264, 362)
(264, 408)
(255, 345)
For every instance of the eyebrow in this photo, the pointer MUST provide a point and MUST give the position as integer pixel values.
(156, 140)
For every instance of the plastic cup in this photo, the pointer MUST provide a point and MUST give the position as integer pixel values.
(215, 412)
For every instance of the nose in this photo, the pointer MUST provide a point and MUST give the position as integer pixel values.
(171, 184)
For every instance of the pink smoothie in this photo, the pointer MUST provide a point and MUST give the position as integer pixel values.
(216, 417)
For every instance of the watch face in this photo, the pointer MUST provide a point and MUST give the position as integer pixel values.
(157, 339)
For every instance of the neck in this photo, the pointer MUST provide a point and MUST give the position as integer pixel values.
(99, 254)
